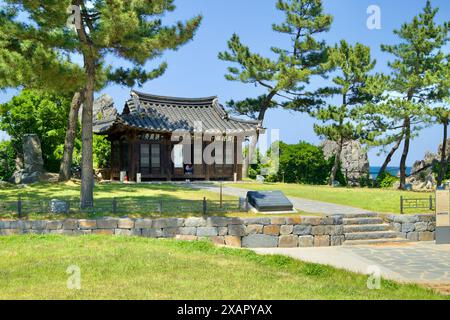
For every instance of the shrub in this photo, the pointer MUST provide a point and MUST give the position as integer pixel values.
(437, 169)
(302, 163)
(40, 113)
(7, 160)
(102, 152)
(386, 180)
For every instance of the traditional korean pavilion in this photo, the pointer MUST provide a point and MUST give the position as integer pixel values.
(142, 139)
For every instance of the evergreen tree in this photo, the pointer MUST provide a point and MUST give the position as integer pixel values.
(128, 29)
(29, 64)
(416, 70)
(442, 116)
(354, 85)
(283, 76)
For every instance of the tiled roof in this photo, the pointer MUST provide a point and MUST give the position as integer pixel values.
(167, 114)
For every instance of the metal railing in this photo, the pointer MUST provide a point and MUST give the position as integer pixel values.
(121, 206)
(417, 203)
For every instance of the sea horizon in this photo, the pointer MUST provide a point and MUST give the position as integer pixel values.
(391, 169)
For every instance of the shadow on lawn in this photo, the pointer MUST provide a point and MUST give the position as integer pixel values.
(115, 200)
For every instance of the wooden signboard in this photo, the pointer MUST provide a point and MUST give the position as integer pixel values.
(443, 208)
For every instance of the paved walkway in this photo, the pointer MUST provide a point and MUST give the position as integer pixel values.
(420, 262)
(304, 205)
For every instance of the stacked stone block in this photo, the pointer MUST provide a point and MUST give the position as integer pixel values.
(286, 232)
(236, 232)
(419, 227)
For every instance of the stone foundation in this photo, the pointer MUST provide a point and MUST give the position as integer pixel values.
(420, 227)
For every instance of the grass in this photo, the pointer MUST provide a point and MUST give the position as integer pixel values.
(104, 193)
(377, 200)
(34, 267)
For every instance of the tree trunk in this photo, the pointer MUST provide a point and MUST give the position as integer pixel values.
(254, 141)
(390, 155)
(337, 161)
(407, 128)
(443, 170)
(87, 168)
(248, 160)
(66, 162)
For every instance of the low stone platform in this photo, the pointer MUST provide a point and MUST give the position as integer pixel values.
(286, 232)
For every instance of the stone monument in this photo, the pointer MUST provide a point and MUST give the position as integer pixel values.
(354, 160)
(33, 164)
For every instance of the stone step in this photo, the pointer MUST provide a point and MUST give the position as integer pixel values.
(370, 235)
(352, 221)
(349, 228)
(361, 215)
(374, 241)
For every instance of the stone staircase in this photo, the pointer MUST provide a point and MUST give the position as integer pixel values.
(367, 228)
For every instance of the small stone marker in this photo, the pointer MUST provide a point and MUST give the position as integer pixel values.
(59, 206)
(269, 201)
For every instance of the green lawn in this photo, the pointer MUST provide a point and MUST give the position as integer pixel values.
(34, 267)
(377, 200)
(104, 193)
(133, 200)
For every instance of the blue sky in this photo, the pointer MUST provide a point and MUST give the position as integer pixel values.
(195, 71)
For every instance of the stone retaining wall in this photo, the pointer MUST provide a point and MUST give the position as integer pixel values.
(420, 227)
(301, 231)
(245, 232)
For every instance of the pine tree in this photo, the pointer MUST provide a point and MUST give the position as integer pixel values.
(131, 30)
(283, 77)
(354, 85)
(442, 116)
(416, 70)
(29, 64)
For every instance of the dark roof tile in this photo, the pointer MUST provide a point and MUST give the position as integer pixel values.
(167, 114)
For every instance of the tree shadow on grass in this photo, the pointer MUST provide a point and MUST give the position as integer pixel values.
(116, 200)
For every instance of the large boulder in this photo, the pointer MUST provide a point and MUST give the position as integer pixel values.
(354, 160)
(427, 162)
(33, 163)
(422, 180)
(103, 108)
(422, 176)
(32, 153)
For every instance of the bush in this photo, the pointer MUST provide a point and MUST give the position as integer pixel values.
(386, 180)
(437, 169)
(102, 152)
(7, 160)
(42, 114)
(340, 177)
(302, 163)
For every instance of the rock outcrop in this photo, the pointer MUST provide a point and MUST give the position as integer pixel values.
(103, 108)
(33, 164)
(354, 160)
(422, 176)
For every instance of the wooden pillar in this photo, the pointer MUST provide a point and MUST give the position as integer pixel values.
(133, 149)
(207, 166)
(167, 159)
(235, 158)
(239, 157)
